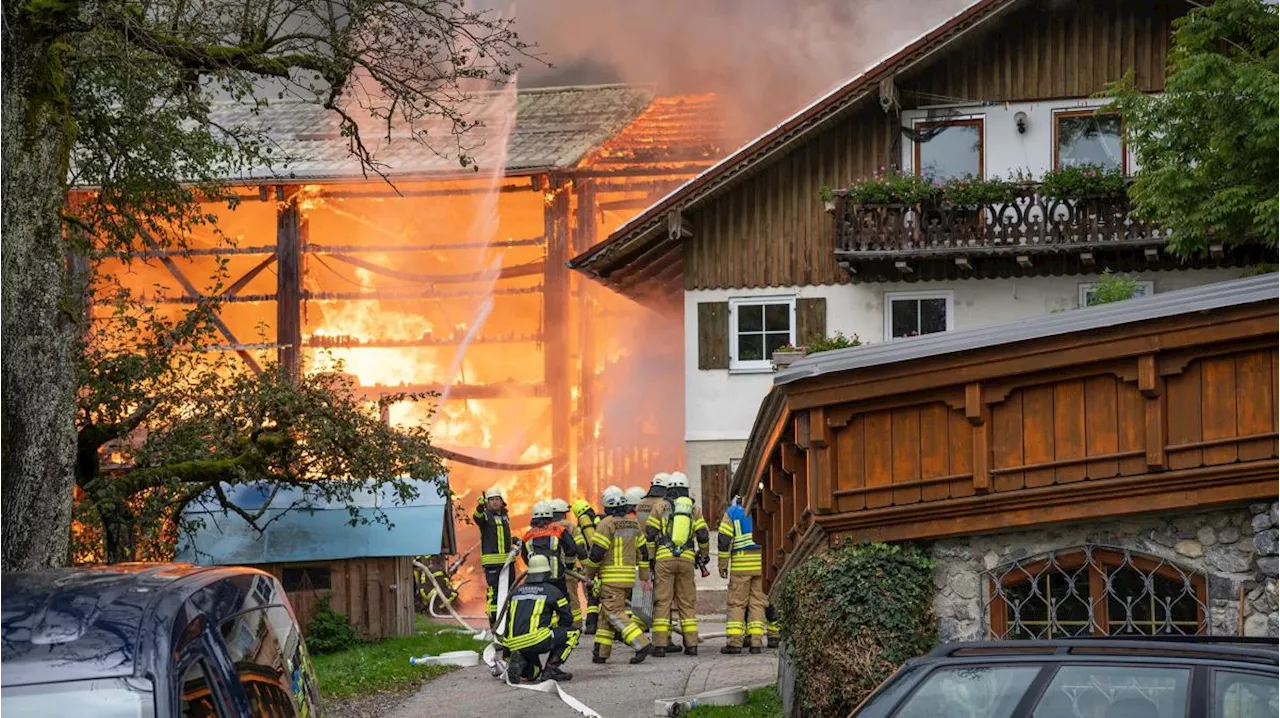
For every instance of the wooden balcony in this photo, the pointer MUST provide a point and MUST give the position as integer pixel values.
(1030, 235)
(1162, 403)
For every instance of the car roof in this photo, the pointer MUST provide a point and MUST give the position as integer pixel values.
(1262, 651)
(92, 622)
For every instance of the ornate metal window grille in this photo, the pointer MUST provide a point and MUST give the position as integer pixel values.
(1094, 590)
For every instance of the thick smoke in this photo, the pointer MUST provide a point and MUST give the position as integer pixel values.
(765, 58)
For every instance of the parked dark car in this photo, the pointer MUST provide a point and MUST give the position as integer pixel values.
(1084, 678)
(143, 640)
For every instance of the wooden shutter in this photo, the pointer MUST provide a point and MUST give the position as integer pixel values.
(811, 320)
(713, 335)
(715, 493)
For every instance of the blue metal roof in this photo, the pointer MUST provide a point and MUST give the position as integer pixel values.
(302, 527)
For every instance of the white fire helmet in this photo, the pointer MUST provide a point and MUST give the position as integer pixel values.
(539, 564)
(495, 492)
(678, 480)
(613, 498)
(559, 506)
(635, 495)
(661, 478)
(541, 510)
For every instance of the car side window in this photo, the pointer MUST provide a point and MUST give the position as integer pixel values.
(1244, 695)
(1116, 691)
(265, 646)
(970, 692)
(197, 692)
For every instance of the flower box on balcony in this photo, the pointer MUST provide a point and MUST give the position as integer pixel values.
(786, 356)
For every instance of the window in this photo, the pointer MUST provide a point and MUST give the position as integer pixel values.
(1086, 138)
(910, 314)
(196, 694)
(266, 648)
(306, 578)
(1145, 289)
(1116, 690)
(970, 692)
(949, 149)
(1094, 591)
(1244, 695)
(758, 327)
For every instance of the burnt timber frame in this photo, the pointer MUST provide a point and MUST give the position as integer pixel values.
(996, 438)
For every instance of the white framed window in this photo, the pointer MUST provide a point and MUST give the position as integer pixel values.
(757, 327)
(911, 314)
(1145, 289)
(950, 148)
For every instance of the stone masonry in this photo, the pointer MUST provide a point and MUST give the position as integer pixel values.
(1233, 546)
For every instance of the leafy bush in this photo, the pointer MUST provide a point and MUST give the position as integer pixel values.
(835, 341)
(893, 187)
(329, 631)
(976, 192)
(1082, 182)
(1113, 288)
(850, 617)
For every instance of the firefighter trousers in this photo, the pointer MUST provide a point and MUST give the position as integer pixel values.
(559, 645)
(575, 601)
(492, 574)
(746, 610)
(614, 619)
(674, 585)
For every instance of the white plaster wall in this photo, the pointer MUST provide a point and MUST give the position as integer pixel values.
(1005, 150)
(721, 406)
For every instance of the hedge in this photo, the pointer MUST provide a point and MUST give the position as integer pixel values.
(850, 617)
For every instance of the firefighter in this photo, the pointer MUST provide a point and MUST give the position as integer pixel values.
(617, 549)
(741, 561)
(560, 514)
(427, 593)
(495, 543)
(657, 492)
(586, 519)
(771, 628)
(681, 537)
(547, 537)
(532, 608)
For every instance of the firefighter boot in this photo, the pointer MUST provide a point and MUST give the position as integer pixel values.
(658, 651)
(691, 650)
(773, 641)
(589, 627)
(641, 654)
(756, 649)
(554, 673)
(731, 650)
(516, 668)
(595, 655)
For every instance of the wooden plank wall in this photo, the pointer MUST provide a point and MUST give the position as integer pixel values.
(375, 594)
(770, 230)
(715, 495)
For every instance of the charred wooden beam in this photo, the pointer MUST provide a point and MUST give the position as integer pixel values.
(521, 270)
(419, 294)
(502, 390)
(289, 244)
(555, 312)
(449, 341)
(391, 248)
(407, 192)
(584, 238)
(189, 252)
(249, 276)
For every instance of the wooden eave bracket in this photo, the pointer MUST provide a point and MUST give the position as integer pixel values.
(677, 226)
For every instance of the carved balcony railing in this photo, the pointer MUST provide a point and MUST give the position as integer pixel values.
(1030, 223)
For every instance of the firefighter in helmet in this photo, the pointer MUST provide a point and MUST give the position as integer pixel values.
(618, 549)
(586, 518)
(560, 514)
(741, 561)
(547, 537)
(532, 608)
(680, 534)
(495, 544)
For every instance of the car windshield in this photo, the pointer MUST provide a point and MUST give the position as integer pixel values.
(109, 698)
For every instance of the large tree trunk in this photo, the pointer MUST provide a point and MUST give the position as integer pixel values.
(37, 411)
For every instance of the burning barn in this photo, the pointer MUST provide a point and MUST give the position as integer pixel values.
(453, 279)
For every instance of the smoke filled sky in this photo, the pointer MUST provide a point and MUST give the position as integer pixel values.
(766, 58)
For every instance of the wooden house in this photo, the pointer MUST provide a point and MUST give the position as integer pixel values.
(364, 570)
(753, 259)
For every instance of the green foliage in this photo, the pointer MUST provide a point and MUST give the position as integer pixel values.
(974, 192)
(384, 665)
(329, 632)
(761, 703)
(1113, 288)
(893, 187)
(852, 616)
(826, 194)
(835, 341)
(1082, 182)
(1260, 269)
(1207, 146)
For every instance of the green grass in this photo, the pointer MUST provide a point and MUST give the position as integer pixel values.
(384, 665)
(761, 703)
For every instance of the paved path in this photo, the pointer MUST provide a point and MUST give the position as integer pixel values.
(614, 690)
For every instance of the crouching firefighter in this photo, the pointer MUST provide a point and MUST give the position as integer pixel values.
(549, 538)
(530, 634)
(618, 550)
(742, 563)
(495, 544)
(681, 536)
(587, 520)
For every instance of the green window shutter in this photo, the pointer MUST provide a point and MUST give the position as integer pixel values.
(811, 320)
(713, 335)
